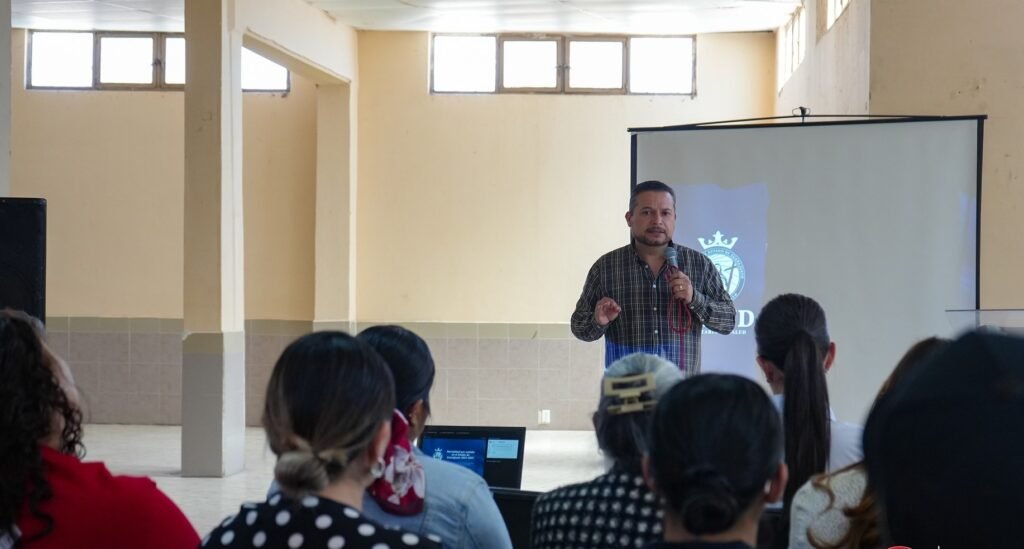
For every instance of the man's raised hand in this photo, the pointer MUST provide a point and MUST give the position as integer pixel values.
(606, 311)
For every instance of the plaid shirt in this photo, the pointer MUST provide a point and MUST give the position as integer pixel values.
(643, 324)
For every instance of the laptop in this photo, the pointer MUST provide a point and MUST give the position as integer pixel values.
(494, 453)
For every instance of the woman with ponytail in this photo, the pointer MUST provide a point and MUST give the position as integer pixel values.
(794, 351)
(328, 419)
(715, 459)
(839, 510)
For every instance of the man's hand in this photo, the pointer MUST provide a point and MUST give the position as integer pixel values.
(682, 288)
(606, 311)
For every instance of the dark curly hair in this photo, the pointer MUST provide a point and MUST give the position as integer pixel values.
(30, 399)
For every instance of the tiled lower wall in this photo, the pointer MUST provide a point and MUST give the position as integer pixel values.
(129, 370)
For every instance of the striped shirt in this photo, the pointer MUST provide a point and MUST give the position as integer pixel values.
(645, 297)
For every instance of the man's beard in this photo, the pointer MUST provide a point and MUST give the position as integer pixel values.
(644, 239)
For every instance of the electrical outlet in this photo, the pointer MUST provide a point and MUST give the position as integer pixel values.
(544, 417)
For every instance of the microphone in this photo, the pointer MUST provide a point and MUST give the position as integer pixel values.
(672, 256)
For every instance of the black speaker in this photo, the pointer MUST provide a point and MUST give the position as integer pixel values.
(23, 255)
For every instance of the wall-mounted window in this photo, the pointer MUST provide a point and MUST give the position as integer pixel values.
(464, 63)
(133, 61)
(529, 64)
(61, 60)
(513, 63)
(174, 60)
(790, 47)
(833, 9)
(262, 74)
(598, 64)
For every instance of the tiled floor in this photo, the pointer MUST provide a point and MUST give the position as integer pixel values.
(553, 458)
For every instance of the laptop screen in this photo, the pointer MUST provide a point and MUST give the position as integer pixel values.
(494, 453)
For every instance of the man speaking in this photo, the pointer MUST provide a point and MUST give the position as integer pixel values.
(653, 296)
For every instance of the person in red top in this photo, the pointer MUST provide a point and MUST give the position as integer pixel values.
(48, 496)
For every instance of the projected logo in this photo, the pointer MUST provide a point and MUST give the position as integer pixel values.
(729, 265)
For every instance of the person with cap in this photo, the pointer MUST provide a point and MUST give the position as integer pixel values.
(616, 509)
(944, 448)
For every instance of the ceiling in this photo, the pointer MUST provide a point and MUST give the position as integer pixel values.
(138, 15)
(582, 16)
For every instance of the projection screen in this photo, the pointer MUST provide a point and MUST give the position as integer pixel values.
(875, 219)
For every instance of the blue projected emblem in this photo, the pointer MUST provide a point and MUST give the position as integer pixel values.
(729, 265)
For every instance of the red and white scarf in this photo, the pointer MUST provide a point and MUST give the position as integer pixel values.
(401, 488)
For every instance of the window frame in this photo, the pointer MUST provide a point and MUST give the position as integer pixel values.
(288, 78)
(563, 40)
(567, 70)
(834, 9)
(693, 66)
(156, 64)
(791, 47)
(433, 52)
(28, 63)
(159, 60)
(163, 62)
(499, 86)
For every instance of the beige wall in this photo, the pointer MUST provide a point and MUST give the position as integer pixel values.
(110, 165)
(933, 58)
(492, 208)
(280, 203)
(299, 35)
(833, 78)
(949, 57)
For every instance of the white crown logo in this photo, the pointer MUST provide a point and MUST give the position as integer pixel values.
(718, 241)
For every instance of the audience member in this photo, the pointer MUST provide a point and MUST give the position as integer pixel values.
(327, 418)
(48, 496)
(794, 352)
(419, 493)
(836, 510)
(615, 509)
(715, 459)
(944, 448)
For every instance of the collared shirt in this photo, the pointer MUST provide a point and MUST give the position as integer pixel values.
(644, 325)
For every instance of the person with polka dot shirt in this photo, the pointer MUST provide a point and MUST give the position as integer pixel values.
(310, 522)
(616, 510)
(327, 417)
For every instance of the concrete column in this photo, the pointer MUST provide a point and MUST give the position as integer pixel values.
(213, 358)
(334, 301)
(5, 97)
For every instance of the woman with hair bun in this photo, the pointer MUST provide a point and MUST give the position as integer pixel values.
(327, 417)
(716, 460)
